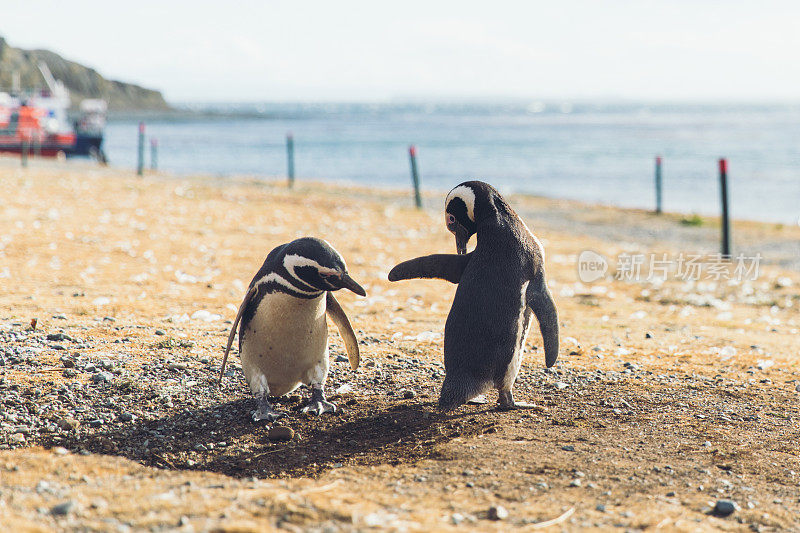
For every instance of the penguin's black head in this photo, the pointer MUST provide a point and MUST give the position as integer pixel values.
(315, 263)
(465, 206)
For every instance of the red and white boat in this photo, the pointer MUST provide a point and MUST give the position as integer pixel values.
(36, 122)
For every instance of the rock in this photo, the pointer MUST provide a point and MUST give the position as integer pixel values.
(160, 332)
(127, 417)
(568, 448)
(576, 483)
(102, 377)
(724, 508)
(58, 337)
(728, 351)
(561, 385)
(763, 364)
(497, 512)
(570, 340)
(407, 394)
(797, 387)
(17, 438)
(648, 335)
(68, 362)
(63, 509)
(280, 433)
(600, 507)
(341, 359)
(67, 424)
(69, 373)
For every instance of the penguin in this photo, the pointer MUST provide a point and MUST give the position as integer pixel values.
(283, 335)
(500, 284)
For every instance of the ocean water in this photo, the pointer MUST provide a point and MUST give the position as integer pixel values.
(592, 152)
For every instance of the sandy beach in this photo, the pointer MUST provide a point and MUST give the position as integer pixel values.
(669, 395)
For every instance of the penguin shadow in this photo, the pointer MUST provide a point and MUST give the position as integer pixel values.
(222, 438)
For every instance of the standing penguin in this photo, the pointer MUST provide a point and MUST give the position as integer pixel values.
(283, 338)
(499, 284)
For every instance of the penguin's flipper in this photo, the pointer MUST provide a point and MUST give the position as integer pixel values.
(339, 318)
(247, 297)
(440, 266)
(541, 303)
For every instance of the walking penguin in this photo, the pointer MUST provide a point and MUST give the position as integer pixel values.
(500, 284)
(283, 335)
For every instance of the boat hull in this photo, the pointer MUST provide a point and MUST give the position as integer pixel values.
(79, 145)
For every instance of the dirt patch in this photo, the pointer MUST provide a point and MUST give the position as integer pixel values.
(667, 397)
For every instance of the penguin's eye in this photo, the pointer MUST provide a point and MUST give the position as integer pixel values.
(450, 219)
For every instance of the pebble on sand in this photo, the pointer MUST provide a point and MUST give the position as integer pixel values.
(280, 433)
(497, 512)
(102, 377)
(67, 423)
(724, 508)
(62, 509)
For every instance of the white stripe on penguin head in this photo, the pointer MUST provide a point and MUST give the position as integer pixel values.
(467, 195)
(275, 277)
(293, 261)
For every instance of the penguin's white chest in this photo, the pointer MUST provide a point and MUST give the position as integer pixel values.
(285, 343)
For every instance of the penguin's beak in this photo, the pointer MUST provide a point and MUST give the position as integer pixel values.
(462, 238)
(346, 282)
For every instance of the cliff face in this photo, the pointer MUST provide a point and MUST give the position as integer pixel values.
(82, 82)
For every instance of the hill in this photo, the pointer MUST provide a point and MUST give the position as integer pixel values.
(82, 82)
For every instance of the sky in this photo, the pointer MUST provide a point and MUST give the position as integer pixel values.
(202, 51)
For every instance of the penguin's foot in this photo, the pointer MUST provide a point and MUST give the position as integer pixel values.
(318, 404)
(266, 413)
(507, 403)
